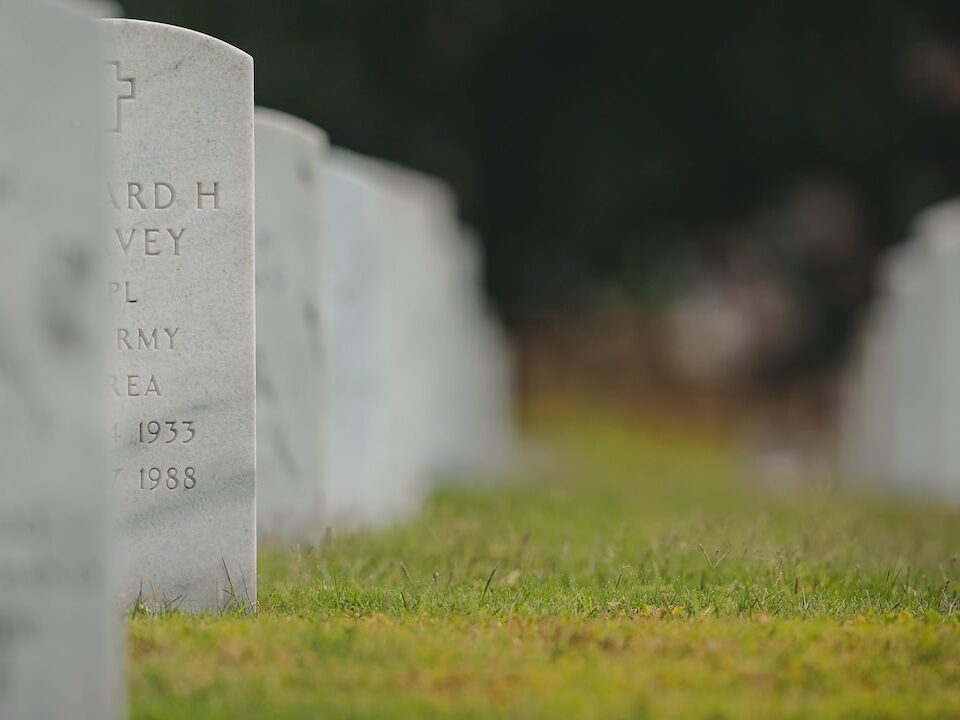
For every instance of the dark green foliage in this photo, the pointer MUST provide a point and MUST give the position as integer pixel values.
(598, 145)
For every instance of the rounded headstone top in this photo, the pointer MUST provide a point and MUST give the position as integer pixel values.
(92, 9)
(899, 269)
(198, 38)
(939, 227)
(284, 122)
(399, 182)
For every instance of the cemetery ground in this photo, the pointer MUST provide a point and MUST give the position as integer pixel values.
(630, 570)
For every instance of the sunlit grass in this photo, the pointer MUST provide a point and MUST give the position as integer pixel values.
(628, 572)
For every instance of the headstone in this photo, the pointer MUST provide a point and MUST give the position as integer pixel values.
(910, 442)
(99, 8)
(482, 435)
(938, 381)
(409, 332)
(59, 630)
(109, 9)
(179, 121)
(422, 214)
(901, 400)
(358, 445)
(289, 154)
(866, 413)
(414, 216)
(453, 364)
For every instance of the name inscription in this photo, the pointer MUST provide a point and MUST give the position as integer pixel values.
(158, 229)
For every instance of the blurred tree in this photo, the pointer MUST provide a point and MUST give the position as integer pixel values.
(598, 147)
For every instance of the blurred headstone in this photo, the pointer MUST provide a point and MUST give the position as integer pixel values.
(59, 629)
(865, 402)
(906, 282)
(422, 222)
(410, 333)
(100, 8)
(179, 118)
(939, 379)
(901, 397)
(482, 436)
(288, 165)
(408, 218)
(356, 276)
(453, 363)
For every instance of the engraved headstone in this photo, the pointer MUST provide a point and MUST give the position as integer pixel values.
(59, 630)
(289, 153)
(179, 121)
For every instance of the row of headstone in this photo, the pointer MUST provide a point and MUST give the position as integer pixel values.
(322, 366)
(900, 409)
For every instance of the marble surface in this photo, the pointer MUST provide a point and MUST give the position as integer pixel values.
(450, 374)
(418, 381)
(481, 437)
(423, 220)
(290, 498)
(900, 399)
(180, 246)
(59, 627)
(357, 446)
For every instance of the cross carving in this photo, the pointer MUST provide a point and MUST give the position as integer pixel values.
(122, 94)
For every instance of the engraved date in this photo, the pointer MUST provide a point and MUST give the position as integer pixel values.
(170, 478)
(167, 432)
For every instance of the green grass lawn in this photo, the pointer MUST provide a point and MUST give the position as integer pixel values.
(628, 572)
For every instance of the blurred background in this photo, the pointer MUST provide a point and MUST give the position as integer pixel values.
(676, 199)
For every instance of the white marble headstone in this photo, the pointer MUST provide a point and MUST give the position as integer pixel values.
(482, 435)
(939, 358)
(909, 314)
(289, 155)
(179, 121)
(99, 8)
(901, 398)
(422, 213)
(358, 448)
(59, 628)
(418, 380)
(452, 368)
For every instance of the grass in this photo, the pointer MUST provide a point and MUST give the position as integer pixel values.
(632, 572)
